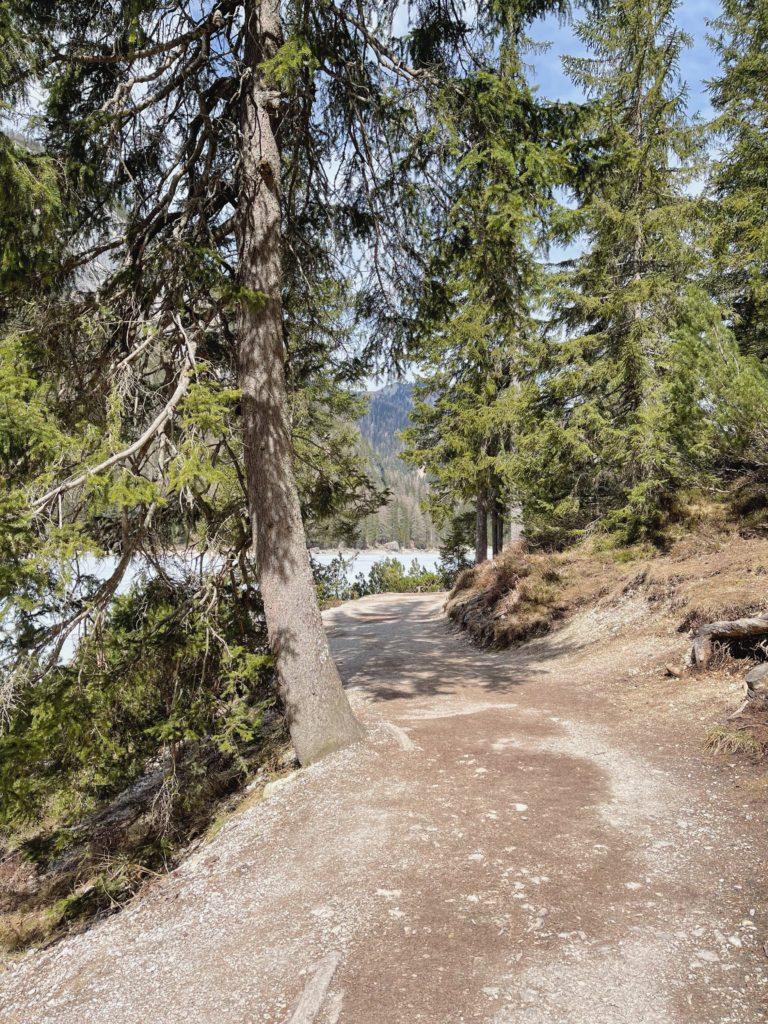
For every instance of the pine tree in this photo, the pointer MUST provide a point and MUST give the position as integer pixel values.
(740, 175)
(479, 303)
(30, 200)
(606, 435)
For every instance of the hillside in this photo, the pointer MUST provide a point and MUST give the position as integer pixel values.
(714, 573)
(388, 411)
(402, 519)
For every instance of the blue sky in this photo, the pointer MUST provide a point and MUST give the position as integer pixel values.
(697, 65)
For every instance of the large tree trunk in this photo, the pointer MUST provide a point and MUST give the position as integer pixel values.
(319, 716)
(481, 528)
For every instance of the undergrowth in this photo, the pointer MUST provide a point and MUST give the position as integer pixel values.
(112, 763)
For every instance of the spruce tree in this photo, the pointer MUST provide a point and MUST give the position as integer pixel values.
(740, 175)
(478, 312)
(223, 165)
(607, 437)
(30, 200)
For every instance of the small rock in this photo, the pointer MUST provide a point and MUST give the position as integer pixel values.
(757, 678)
(288, 759)
(707, 955)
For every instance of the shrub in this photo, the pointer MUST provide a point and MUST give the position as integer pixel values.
(389, 576)
(175, 663)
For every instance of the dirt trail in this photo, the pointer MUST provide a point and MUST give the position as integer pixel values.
(529, 837)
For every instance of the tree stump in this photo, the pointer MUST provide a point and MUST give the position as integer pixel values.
(735, 629)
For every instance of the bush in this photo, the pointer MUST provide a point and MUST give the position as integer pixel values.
(110, 764)
(389, 576)
(332, 581)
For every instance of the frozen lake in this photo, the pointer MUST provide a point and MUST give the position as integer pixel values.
(357, 561)
(362, 561)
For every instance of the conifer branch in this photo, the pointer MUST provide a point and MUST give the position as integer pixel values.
(138, 445)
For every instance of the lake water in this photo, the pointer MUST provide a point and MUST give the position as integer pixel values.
(356, 562)
(363, 561)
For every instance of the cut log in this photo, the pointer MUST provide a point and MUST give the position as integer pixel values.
(736, 629)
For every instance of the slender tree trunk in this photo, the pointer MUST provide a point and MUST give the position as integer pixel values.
(319, 716)
(497, 528)
(481, 528)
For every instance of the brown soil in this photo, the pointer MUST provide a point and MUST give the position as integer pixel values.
(536, 836)
(711, 574)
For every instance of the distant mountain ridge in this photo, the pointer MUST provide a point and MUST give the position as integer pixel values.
(402, 519)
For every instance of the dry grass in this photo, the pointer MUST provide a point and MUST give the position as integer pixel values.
(520, 594)
(725, 739)
(19, 930)
(713, 573)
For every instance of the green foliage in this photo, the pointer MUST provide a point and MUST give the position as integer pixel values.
(477, 323)
(335, 481)
(739, 210)
(173, 664)
(293, 60)
(31, 205)
(614, 421)
(30, 216)
(390, 577)
(387, 576)
(458, 539)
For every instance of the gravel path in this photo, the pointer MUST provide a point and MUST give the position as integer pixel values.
(529, 837)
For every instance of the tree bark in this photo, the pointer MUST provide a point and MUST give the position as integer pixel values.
(319, 716)
(481, 528)
(497, 528)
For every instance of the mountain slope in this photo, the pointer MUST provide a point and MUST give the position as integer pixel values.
(402, 519)
(388, 414)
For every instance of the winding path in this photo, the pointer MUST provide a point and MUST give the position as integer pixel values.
(528, 837)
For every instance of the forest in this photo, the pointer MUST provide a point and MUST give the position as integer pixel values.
(219, 223)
